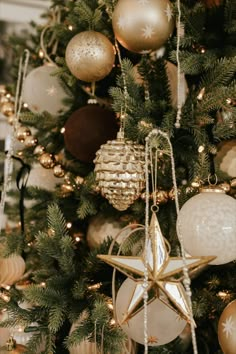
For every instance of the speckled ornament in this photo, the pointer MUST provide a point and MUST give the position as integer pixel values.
(207, 224)
(142, 25)
(87, 129)
(42, 91)
(90, 56)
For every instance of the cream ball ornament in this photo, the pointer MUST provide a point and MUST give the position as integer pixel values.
(226, 329)
(90, 56)
(100, 228)
(207, 224)
(142, 26)
(164, 324)
(11, 269)
(42, 91)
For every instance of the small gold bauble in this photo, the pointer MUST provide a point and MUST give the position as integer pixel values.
(39, 150)
(226, 329)
(30, 141)
(142, 26)
(47, 160)
(90, 56)
(22, 133)
(58, 171)
(225, 186)
(161, 196)
(67, 188)
(79, 180)
(7, 109)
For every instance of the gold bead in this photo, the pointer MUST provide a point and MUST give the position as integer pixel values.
(47, 160)
(58, 171)
(30, 141)
(39, 150)
(22, 133)
(233, 183)
(7, 109)
(225, 186)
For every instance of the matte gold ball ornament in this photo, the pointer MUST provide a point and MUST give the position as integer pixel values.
(90, 56)
(226, 329)
(142, 25)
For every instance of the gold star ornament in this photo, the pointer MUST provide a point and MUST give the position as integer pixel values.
(163, 273)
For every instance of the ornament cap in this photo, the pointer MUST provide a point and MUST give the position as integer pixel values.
(212, 189)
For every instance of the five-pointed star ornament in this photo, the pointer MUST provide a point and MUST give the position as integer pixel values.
(162, 271)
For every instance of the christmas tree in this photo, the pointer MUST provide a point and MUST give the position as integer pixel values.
(123, 155)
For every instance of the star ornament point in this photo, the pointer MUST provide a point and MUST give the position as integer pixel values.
(163, 272)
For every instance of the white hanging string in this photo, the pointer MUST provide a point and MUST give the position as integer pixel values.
(186, 281)
(180, 77)
(22, 70)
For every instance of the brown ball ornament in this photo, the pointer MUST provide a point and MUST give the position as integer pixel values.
(87, 129)
(226, 329)
(90, 56)
(142, 25)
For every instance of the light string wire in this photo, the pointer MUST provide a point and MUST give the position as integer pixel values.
(22, 70)
(179, 81)
(187, 280)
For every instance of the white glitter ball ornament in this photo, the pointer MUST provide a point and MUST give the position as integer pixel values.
(119, 168)
(207, 224)
(42, 91)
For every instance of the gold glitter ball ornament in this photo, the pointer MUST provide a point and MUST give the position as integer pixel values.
(142, 25)
(90, 56)
(119, 168)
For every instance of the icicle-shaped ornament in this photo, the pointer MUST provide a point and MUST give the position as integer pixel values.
(119, 168)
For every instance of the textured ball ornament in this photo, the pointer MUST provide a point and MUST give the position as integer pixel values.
(44, 92)
(87, 129)
(100, 228)
(164, 324)
(226, 329)
(225, 158)
(142, 25)
(11, 269)
(119, 169)
(90, 56)
(207, 224)
(47, 160)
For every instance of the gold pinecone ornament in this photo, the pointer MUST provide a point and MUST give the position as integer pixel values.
(120, 173)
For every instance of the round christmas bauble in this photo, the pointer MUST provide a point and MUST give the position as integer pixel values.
(88, 347)
(12, 268)
(90, 56)
(100, 228)
(87, 129)
(225, 159)
(142, 26)
(22, 133)
(226, 329)
(30, 141)
(43, 92)
(7, 109)
(207, 224)
(164, 324)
